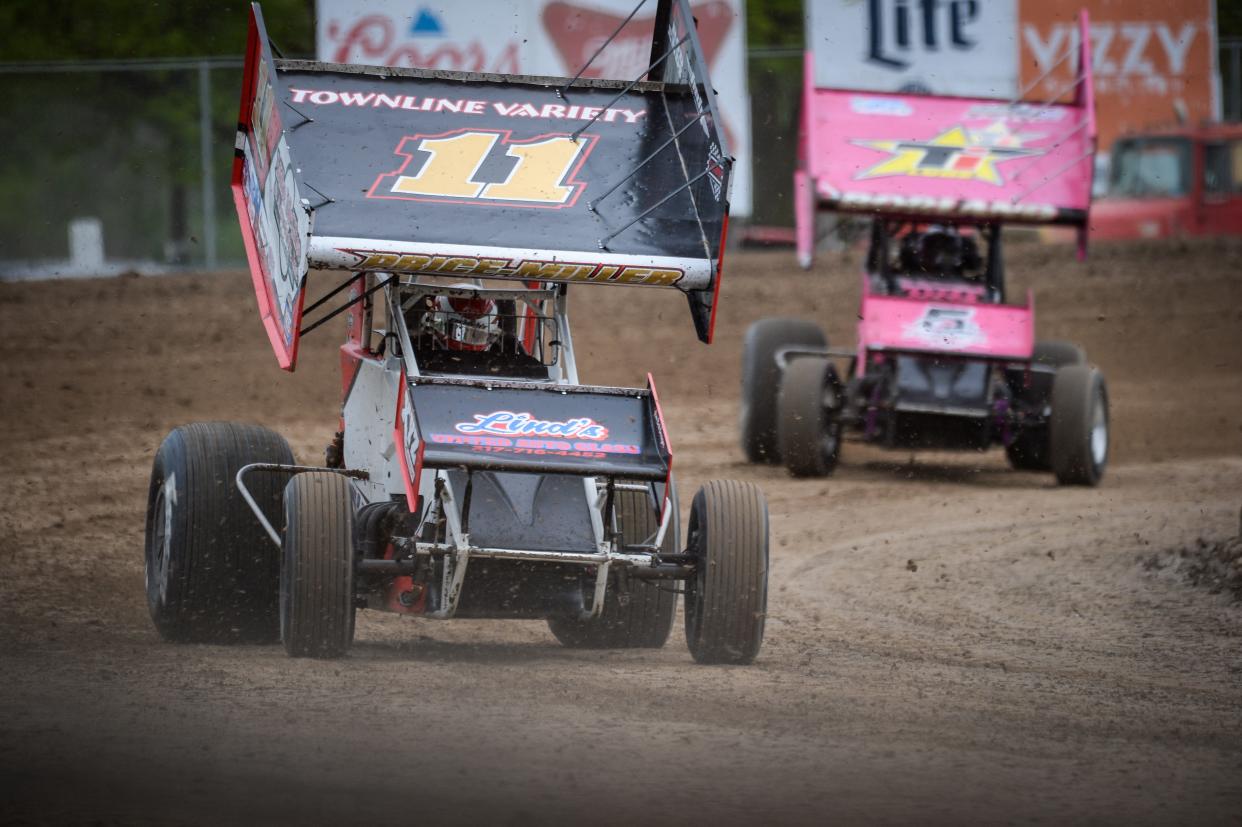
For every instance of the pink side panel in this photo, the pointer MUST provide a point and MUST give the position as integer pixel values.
(992, 330)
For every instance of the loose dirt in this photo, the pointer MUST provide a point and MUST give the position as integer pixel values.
(949, 640)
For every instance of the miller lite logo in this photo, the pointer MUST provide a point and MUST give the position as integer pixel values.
(897, 28)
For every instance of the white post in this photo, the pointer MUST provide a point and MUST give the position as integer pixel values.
(86, 250)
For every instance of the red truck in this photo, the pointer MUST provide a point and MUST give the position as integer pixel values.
(1171, 183)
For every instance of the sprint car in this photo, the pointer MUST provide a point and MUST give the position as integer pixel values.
(472, 474)
(942, 361)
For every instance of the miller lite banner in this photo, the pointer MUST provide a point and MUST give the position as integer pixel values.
(963, 48)
(543, 37)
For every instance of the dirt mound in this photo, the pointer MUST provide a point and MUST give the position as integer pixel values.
(1215, 566)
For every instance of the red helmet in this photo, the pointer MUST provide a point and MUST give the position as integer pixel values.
(464, 324)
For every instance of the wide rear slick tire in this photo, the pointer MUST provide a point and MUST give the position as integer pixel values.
(1079, 427)
(317, 601)
(727, 596)
(761, 380)
(808, 434)
(642, 618)
(212, 572)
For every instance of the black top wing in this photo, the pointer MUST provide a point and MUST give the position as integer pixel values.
(481, 176)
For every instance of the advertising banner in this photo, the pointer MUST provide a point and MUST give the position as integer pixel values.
(937, 47)
(1153, 60)
(543, 37)
(581, 430)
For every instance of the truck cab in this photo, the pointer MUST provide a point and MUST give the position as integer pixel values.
(1173, 183)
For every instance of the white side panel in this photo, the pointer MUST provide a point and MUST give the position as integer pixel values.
(368, 413)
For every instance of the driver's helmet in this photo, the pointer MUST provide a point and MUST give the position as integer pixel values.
(464, 323)
(941, 252)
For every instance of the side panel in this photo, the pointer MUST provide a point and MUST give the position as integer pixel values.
(997, 331)
(274, 223)
(368, 416)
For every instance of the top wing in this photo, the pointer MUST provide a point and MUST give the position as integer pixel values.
(928, 157)
(482, 176)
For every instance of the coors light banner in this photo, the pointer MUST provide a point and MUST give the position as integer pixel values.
(542, 37)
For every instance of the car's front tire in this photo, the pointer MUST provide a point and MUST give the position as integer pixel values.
(727, 595)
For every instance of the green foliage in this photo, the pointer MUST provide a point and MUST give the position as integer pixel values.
(96, 29)
(774, 23)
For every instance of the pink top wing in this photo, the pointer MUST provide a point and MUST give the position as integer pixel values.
(950, 156)
(928, 157)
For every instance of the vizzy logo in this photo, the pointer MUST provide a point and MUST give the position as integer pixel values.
(897, 28)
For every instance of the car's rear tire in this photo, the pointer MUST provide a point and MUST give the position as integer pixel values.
(643, 617)
(808, 433)
(211, 571)
(727, 596)
(317, 601)
(761, 380)
(1030, 450)
(1079, 427)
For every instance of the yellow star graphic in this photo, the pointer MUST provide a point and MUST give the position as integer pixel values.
(951, 154)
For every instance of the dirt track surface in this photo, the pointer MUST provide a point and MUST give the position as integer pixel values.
(948, 640)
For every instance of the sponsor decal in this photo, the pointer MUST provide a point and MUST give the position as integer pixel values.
(509, 423)
(959, 152)
(520, 432)
(971, 207)
(715, 170)
(488, 168)
(1018, 112)
(277, 225)
(467, 106)
(892, 107)
(949, 327)
(524, 269)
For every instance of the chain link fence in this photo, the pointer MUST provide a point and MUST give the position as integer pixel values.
(118, 165)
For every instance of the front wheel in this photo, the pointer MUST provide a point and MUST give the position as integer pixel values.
(727, 596)
(317, 569)
(1078, 430)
